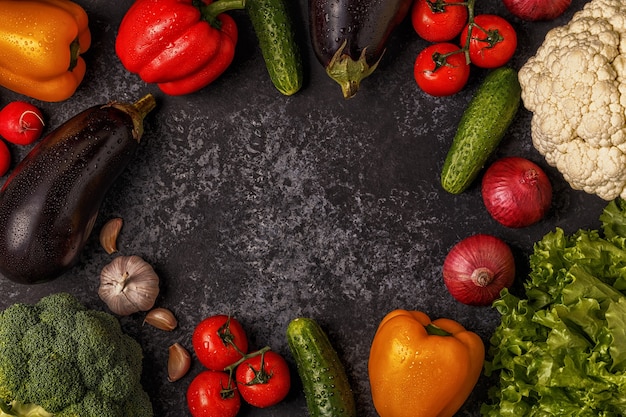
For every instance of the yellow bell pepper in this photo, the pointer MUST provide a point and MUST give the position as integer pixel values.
(419, 368)
(40, 46)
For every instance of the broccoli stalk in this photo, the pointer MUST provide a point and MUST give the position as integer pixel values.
(59, 358)
(17, 409)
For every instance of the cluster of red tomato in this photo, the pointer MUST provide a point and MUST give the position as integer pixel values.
(485, 40)
(261, 377)
(21, 123)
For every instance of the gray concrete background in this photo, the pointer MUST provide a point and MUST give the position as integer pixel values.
(270, 207)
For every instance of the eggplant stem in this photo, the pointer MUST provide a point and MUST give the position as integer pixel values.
(347, 72)
(137, 111)
(145, 105)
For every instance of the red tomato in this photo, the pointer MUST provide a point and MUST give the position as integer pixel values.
(441, 69)
(493, 41)
(209, 395)
(263, 380)
(5, 158)
(21, 123)
(219, 341)
(437, 21)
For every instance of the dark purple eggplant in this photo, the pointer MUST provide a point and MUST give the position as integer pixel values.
(349, 36)
(49, 203)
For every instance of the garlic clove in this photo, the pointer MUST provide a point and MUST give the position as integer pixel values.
(178, 362)
(161, 318)
(128, 284)
(109, 233)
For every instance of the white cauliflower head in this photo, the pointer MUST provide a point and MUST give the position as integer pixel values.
(575, 86)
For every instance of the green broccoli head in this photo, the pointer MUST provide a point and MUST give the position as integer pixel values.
(70, 361)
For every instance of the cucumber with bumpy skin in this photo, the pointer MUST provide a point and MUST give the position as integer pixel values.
(274, 28)
(483, 125)
(324, 379)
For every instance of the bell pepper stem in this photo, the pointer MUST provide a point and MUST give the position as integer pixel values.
(212, 10)
(433, 330)
(74, 52)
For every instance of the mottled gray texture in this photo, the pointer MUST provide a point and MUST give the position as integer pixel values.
(269, 207)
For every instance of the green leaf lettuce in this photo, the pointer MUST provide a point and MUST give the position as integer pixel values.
(561, 349)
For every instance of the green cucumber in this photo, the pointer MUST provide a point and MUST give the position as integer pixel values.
(324, 379)
(274, 29)
(483, 125)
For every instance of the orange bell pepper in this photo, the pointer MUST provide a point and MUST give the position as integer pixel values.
(419, 368)
(40, 46)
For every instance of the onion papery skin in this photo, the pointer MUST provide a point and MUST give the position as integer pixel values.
(533, 10)
(516, 192)
(484, 253)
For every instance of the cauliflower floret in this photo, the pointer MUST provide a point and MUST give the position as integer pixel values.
(575, 86)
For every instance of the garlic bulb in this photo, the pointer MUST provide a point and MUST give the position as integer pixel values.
(128, 284)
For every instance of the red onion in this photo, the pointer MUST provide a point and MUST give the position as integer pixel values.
(516, 192)
(537, 9)
(477, 268)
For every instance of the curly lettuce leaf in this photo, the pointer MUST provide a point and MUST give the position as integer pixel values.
(561, 350)
(613, 219)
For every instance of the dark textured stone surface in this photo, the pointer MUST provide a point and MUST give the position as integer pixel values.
(270, 207)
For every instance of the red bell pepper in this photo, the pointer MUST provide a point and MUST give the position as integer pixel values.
(181, 45)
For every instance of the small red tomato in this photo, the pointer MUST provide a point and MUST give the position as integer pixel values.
(21, 123)
(493, 41)
(219, 341)
(441, 69)
(263, 380)
(5, 158)
(438, 20)
(210, 395)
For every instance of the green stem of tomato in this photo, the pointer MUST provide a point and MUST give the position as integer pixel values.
(470, 9)
(439, 6)
(261, 376)
(230, 368)
(470, 14)
(227, 336)
(493, 36)
(441, 59)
